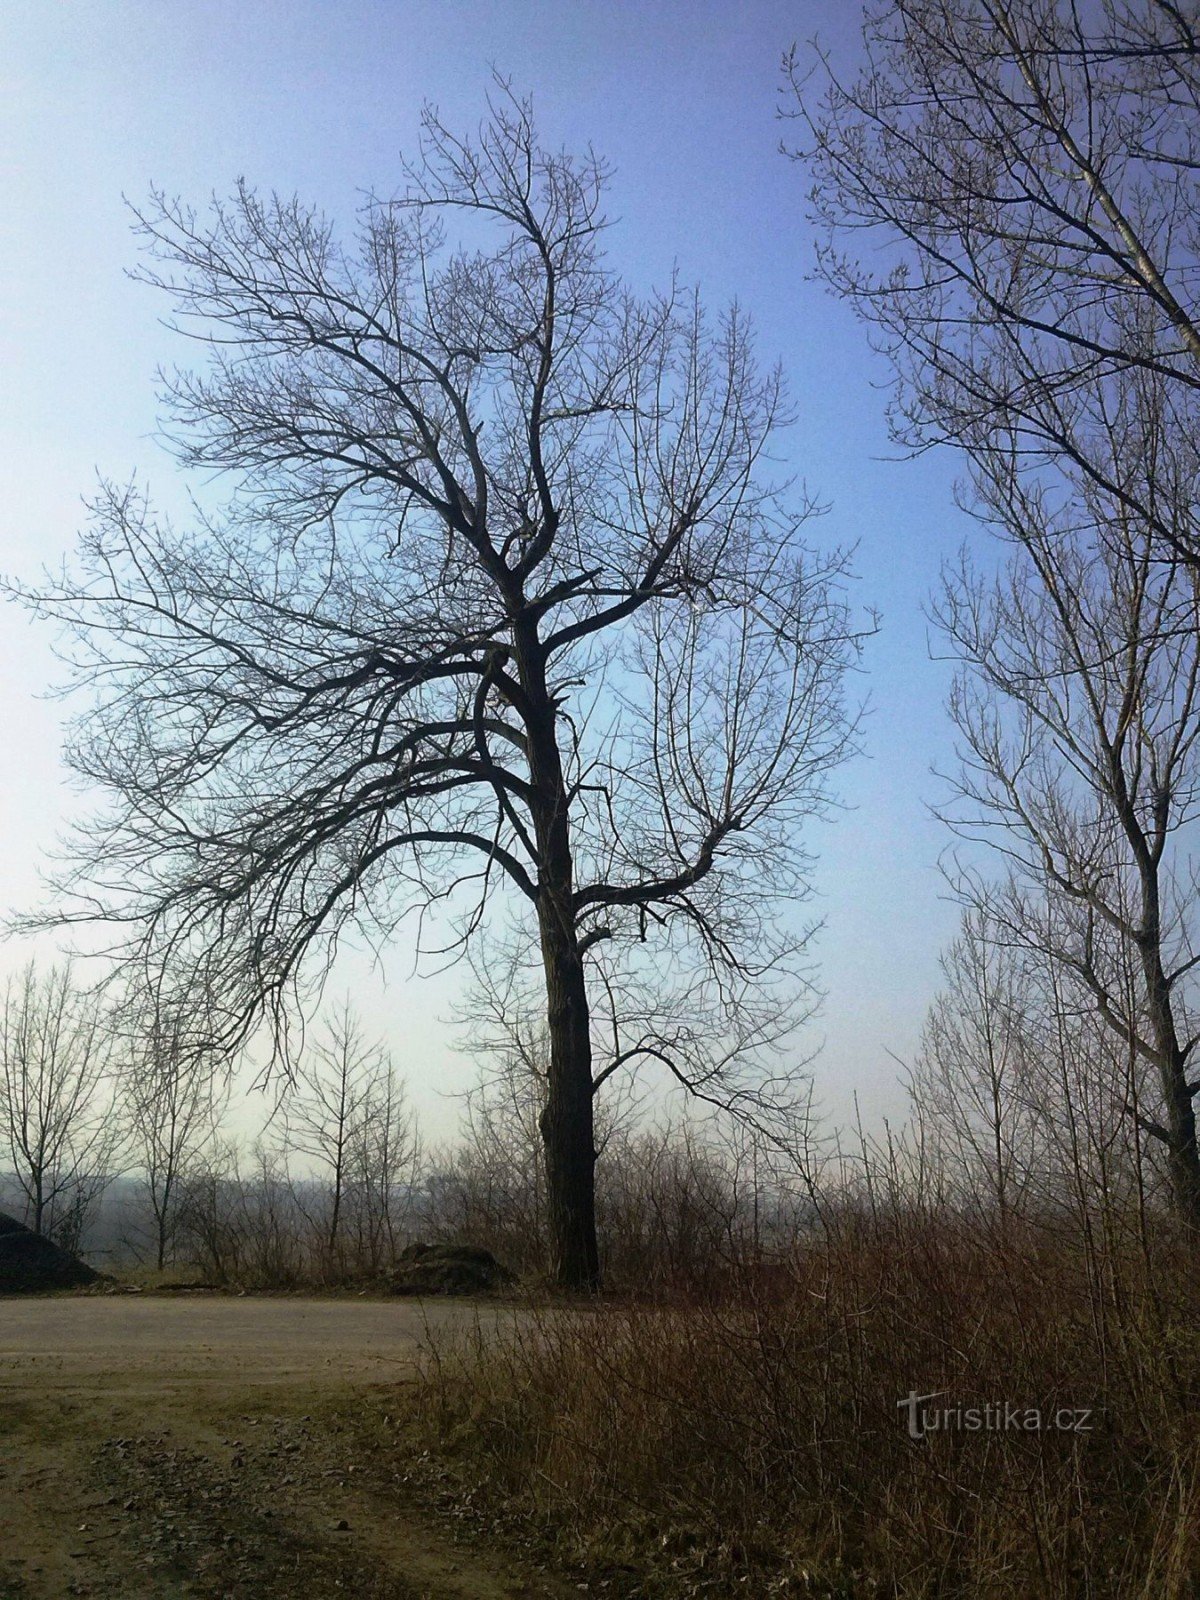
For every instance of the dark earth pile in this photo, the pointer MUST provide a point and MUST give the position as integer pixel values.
(30, 1263)
(448, 1269)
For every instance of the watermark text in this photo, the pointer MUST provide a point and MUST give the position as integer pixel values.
(994, 1416)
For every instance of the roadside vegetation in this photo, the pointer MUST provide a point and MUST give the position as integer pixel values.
(758, 1441)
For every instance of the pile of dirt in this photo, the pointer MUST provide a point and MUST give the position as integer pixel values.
(31, 1264)
(448, 1269)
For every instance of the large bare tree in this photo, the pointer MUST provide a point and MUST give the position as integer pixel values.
(1029, 174)
(503, 596)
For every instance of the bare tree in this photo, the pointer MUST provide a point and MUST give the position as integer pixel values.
(171, 1109)
(322, 1114)
(1022, 1092)
(1087, 1083)
(970, 1084)
(345, 1111)
(489, 1186)
(1010, 197)
(502, 596)
(1079, 720)
(1031, 172)
(56, 1124)
(387, 1158)
(210, 1227)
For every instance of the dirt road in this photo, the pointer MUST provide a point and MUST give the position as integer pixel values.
(162, 1446)
(126, 1340)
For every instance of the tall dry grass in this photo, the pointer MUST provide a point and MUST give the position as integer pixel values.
(752, 1443)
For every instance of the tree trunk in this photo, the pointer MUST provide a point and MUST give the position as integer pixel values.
(336, 1217)
(566, 1120)
(1183, 1156)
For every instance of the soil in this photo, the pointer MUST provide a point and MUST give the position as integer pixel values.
(228, 1448)
(29, 1262)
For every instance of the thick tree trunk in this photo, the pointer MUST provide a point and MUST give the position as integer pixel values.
(568, 1134)
(1183, 1156)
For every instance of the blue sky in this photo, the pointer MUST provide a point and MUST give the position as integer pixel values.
(97, 100)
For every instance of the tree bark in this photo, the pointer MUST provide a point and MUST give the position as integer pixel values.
(566, 1122)
(568, 1134)
(1183, 1156)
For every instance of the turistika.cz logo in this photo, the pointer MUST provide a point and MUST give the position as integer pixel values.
(995, 1416)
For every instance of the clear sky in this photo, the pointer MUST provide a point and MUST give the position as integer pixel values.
(100, 98)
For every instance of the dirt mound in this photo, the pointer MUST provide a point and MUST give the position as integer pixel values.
(448, 1269)
(31, 1264)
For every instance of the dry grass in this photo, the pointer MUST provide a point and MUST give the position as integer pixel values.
(754, 1444)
